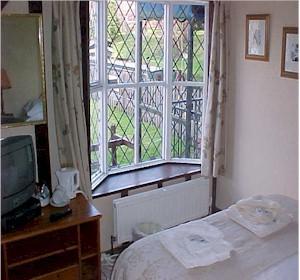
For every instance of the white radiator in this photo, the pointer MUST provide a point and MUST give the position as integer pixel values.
(167, 206)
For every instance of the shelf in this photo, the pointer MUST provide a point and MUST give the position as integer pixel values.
(3, 267)
(71, 270)
(88, 268)
(44, 266)
(42, 256)
(90, 255)
(47, 244)
(88, 238)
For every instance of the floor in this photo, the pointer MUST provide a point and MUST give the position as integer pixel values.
(107, 263)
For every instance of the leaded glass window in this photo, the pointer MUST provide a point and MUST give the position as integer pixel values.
(147, 77)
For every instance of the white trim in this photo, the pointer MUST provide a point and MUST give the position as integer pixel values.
(95, 88)
(103, 136)
(188, 83)
(154, 162)
(97, 179)
(205, 68)
(98, 52)
(136, 86)
(150, 163)
(176, 2)
(185, 160)
(168, 75)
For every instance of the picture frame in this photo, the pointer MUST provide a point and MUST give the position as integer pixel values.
(257, 41)
(290, 53)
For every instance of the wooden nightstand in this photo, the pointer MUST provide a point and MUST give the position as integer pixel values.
(66, 249)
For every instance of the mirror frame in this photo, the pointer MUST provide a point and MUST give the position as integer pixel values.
(42, 69)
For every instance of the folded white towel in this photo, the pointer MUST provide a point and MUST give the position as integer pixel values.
(196, 244)
(260, 215)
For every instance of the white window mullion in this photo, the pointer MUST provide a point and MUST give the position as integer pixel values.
(205, 68)
(137, 87)
(103, 79)
(168, 72)
(189, 83)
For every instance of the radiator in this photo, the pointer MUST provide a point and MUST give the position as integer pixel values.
(167, 206)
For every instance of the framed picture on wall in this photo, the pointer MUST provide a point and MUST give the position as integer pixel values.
(290, 52)
(257, 37)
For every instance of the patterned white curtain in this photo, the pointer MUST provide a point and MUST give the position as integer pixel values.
(68, 92)
(213, 148)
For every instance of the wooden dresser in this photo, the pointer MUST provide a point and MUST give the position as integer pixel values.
(67, 249)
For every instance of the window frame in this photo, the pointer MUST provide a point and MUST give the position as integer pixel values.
(103, 86)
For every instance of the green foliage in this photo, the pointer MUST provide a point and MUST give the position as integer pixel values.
(114, 24)
(124, 122)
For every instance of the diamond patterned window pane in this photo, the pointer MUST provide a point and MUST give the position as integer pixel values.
(152, 41)
(151, 109)
(120, 127)
(121, 41)
(95, 118)
(187, 65)
(188, 42)
(186, 122)
(94, 41)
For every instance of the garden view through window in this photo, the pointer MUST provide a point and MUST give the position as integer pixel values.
(147, 76)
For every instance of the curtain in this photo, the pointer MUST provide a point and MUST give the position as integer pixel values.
(213, 147)
(70, 119)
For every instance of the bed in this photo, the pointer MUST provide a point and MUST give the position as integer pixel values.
(271, 258)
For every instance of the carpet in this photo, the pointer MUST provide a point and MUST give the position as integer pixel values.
(107, 264)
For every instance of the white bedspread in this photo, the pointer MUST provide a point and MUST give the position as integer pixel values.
(196, 244)
(254, 258)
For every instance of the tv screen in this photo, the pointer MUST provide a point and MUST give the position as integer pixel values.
(17, 171)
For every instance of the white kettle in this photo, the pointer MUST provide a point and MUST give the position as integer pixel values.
(68, 179)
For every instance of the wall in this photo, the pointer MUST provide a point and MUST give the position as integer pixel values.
(12, 7)
(262, 112)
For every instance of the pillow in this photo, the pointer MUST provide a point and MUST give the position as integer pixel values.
(260, 215)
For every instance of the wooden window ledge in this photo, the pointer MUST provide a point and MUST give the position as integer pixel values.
(126, 181)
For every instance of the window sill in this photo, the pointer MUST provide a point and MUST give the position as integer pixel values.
(123, 182)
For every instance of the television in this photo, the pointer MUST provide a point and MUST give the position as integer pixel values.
(18, 174)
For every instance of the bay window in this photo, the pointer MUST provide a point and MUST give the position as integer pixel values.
(148, 72)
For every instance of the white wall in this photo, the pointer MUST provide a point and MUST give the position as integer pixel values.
(262, 112)
(13, 7)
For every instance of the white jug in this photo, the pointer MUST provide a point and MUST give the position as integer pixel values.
(68, 179)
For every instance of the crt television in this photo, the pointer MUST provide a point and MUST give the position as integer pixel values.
(17, 171)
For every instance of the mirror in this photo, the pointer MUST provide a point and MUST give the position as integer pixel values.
(23, 96)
